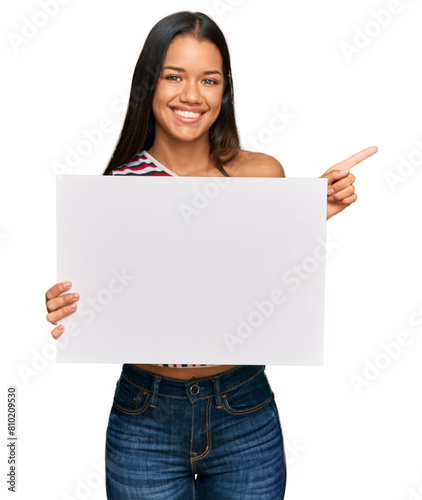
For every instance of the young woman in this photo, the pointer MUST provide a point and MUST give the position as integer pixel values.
(171, 423)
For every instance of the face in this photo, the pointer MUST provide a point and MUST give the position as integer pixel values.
(188, 96)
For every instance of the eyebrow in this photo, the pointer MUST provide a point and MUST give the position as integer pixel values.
(174, 68)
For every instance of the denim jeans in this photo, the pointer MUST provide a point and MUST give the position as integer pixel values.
(217, 437)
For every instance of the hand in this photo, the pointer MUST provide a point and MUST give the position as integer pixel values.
(58, 305)
(340, 190)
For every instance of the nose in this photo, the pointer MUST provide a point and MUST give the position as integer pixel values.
(191, 93)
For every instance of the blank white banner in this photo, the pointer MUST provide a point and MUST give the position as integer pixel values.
(192, 270)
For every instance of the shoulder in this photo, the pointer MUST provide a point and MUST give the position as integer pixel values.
(251, 164)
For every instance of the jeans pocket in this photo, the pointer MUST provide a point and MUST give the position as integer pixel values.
(247, 397)
(130, 398)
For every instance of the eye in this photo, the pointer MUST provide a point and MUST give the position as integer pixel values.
(172, 78)
(208, 81)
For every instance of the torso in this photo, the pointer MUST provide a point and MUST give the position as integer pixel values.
(246, 164)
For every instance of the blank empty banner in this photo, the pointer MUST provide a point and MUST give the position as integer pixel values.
(192, 269)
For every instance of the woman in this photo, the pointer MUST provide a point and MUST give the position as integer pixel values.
(168, 423)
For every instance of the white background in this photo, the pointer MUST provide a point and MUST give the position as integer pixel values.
(75, 71)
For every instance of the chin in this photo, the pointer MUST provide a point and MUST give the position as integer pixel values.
(189, 137)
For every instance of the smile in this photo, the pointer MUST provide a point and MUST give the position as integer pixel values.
(186, 114)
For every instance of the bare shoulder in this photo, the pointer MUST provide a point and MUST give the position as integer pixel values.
(251, 164)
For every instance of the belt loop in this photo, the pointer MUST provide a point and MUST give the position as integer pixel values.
(154, 390)
(216, 382)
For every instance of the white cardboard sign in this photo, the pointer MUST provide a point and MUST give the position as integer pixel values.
(192, 269)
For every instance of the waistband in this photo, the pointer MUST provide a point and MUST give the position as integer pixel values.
(192, 389)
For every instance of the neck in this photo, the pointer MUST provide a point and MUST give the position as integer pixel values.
(183, 158)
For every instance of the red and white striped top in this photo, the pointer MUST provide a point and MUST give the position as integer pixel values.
(144, 164)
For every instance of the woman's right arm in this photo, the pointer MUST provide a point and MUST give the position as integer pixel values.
(59, 306)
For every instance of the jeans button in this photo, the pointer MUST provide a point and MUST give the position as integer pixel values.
(194, 389)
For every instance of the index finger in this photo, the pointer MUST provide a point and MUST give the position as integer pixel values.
(57, 289)
(358, 157)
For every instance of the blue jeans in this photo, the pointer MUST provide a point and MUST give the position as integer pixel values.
(224, 429)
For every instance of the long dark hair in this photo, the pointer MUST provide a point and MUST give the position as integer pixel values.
(138, 130)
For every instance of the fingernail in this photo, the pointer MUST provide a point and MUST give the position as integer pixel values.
(67, 284)
(72, 307)
(75, 295)
(60, 328)
(343, 171)
(330, 191)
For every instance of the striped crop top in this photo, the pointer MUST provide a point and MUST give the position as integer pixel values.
(144, 164)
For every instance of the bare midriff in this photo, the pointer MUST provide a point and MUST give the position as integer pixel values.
(186, 373)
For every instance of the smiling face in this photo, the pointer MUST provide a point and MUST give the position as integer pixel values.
(188, 96)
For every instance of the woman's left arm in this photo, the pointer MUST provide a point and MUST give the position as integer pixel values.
(341, 192)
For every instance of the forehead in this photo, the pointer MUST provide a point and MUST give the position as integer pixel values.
(190, 52)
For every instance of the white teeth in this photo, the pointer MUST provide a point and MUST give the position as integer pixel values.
(186, 114)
